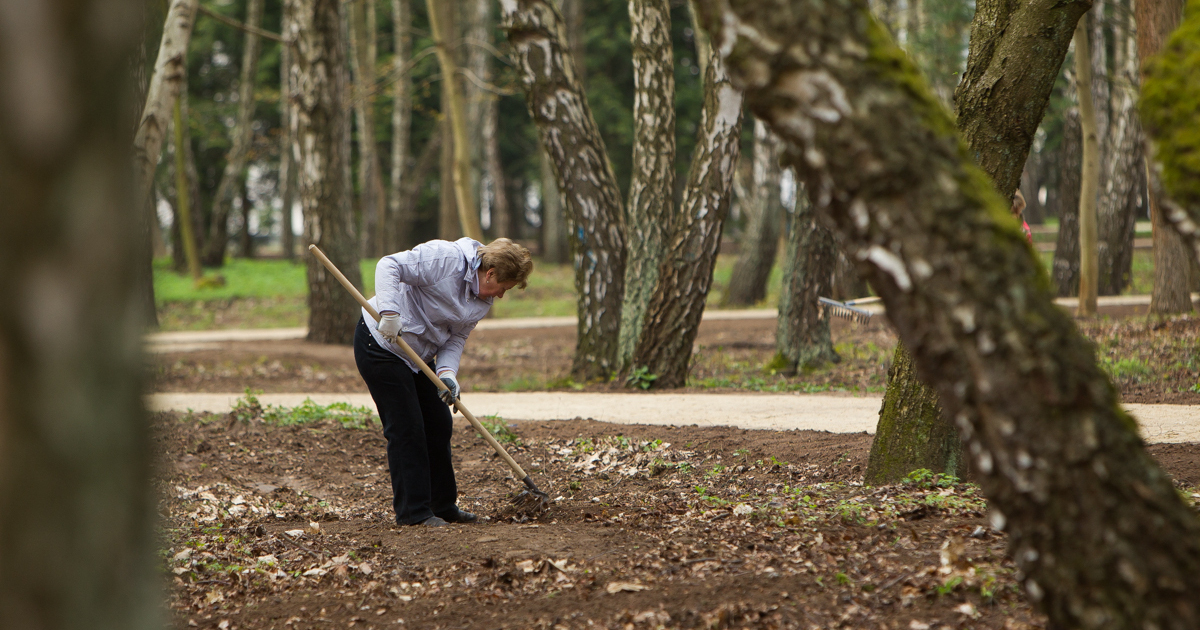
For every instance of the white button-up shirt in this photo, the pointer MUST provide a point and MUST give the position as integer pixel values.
(434, 287)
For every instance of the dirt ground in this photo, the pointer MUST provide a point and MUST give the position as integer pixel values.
(1151, 361)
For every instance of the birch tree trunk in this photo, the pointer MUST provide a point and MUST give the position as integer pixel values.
(445, 36)
(568, 133)
(802, 339)
(1065, 269)
(1099, 532)
(1172, 257)
(243, 133)
(756, 253)
(1000, 104)
(492, 182)
(77, 510)
(287, 169)
(165, 84)
(363, 53)
(672, 319)
(1089, 180)
(320, 115)
(475, 98)
(399, 211)
(652, 185)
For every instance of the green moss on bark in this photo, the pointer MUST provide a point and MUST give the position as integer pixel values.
(1170, 108)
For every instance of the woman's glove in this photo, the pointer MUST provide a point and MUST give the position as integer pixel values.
(389, 326)
(450, 394)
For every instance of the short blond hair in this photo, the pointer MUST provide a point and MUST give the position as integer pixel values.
(511, 261)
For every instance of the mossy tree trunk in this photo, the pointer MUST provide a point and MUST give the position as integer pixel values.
(1015, 55)
(802, 339)
(77, 510)
(1099, 533)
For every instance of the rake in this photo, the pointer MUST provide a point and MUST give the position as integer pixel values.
(531, 501)
(848, 309)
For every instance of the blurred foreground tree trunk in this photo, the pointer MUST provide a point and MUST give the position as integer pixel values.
(760, 242)
(321, 117)
(1172, 256)
(1098, 531)
(568, 133)
(802, 339)
(76, 505)
(400, 215)
(242, 135)
(1000, 105)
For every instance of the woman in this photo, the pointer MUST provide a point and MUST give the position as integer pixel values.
(432, 296)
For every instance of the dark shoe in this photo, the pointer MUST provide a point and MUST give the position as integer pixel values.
(459, 516)
(433, 521)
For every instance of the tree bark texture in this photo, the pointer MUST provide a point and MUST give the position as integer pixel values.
(170, 68)
(1089, 179)
(554, 229)
(321, 117)
(239, 150)
(184, 220)
(77, 510)
(568, 133)
(400, 219)
(912, 433)
(652, 185)
(372, 205)
(1097, 529)
(476, 31)
(760, 242)
(672, 319)
(445, 35)
(1015, 55)
(1065, 269)
(287, 168)
(802, 339)
(492, 181)
(449, 224)
(1168, 111)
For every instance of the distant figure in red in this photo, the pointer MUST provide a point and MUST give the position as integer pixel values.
(1018, 210)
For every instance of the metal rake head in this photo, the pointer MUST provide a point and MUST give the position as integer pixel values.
(845, 311)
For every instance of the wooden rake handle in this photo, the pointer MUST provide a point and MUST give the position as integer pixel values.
(512, 463)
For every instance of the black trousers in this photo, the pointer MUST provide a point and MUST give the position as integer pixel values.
(417, 425)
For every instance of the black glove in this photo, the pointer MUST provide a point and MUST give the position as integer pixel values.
(450, 394)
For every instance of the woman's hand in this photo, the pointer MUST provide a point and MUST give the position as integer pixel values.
(389, 325)
(450, 394)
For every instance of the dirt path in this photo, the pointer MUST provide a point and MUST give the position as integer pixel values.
(1160, 424)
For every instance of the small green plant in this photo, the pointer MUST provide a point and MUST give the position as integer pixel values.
(1123, 369)
(499, 430)
(843, 579)
(949, 585)
(652, 445)
(715, 471)
(249, 408)
(927, 479)
(742, 452)
(642, 378)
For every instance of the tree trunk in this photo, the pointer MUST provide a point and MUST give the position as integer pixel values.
(77, 510)
(756, 253)
(1117, 206)
(184, 218)
(1000, 103)
(573, 11)
(1066, 249)
(1172, 257)
(449, 225)
(802, 340)
(912, 434)
(242, 135)
(492, 183)
(1089, 179)
(1098, 531)
(246, 240)
(400, 212)
(554, 228)
(672, 319)
(652, 185)
(170, 68)
(287, 169)
(568, 132)
(477, 71)
(444, 31)
(321, 118)
(363, 55)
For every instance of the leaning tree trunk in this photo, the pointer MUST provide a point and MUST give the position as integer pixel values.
(320, 115)
(400, 215)
(1166, 116)
(1117, 206)
(652, 185)
(242, 135)
(1065, 268)
(1089, 179)
(672, 319)
(756, 252)
(1097, 530)
(445, 36)
(363, 54)
(77, 510)
(1000, 103)
(568, 132)
(802, 339)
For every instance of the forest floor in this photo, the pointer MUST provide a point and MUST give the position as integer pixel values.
(285, 521)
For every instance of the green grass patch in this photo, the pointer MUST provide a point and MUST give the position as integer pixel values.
(249, 408)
